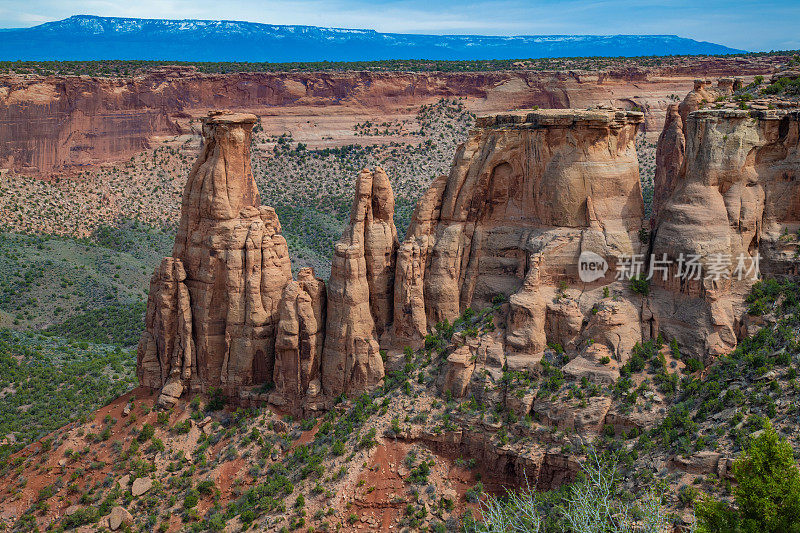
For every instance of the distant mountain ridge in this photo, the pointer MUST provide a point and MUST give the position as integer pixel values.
(87, 37)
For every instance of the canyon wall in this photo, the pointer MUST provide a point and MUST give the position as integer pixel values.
(52, 124)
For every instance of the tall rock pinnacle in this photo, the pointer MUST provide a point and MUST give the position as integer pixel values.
(236, 265)
(529, 196)
(360, 290)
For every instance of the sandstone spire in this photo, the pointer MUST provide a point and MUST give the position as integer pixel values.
(736, 200)
(299, 341)
(380, 249)
(410, 322)
(669, 158)
(166, 354)
(360, 289)
(236, 266)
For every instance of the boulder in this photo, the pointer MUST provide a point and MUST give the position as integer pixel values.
(703, 462)
(72, 509)
(141, 485)
(591, 366)
(587, 419)
(119, 517)
(170, 393)
(458, 373)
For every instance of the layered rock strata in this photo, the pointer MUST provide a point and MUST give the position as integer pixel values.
(53, 123)
(231, 265)
(735, 209)
(530, 196)
(224, 311)
(527, 194)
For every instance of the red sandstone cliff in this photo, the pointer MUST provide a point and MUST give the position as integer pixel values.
(52, 123)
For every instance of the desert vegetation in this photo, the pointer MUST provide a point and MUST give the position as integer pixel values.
(133, 208)
(640, 443)
(209, 465)
(118, 68)
(103, 278)
(47, 382)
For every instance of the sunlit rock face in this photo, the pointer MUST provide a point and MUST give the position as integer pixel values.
(736, 196)
(529, 197)
(527, 193)
(235, 265)
(361, 290)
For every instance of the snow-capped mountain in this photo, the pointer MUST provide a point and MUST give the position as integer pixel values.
(86, 37)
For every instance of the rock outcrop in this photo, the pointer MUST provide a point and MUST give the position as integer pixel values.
(236, 261)
(527, 194)
(212, 318)
(532, 198)
(670, 152)
(705, 94)
(299, 341)
(166, 353)
(224, 311)
(168, 302)
(410, 321)
(360, 290)
(671, 147)
(735, 202)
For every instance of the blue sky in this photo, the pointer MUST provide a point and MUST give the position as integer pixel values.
(750, 25)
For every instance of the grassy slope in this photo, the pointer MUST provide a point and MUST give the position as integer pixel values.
(47, 382)
(45, 280)
(89, 294)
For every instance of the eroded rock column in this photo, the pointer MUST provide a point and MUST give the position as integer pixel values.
(360, 290)
(299, 342)
(736, 198)
(233, 264)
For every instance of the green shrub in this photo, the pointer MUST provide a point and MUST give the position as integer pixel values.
(593, 505)
(767, 493)
(216, 400)
(640, 285)
(146, 433)
(420, 473)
